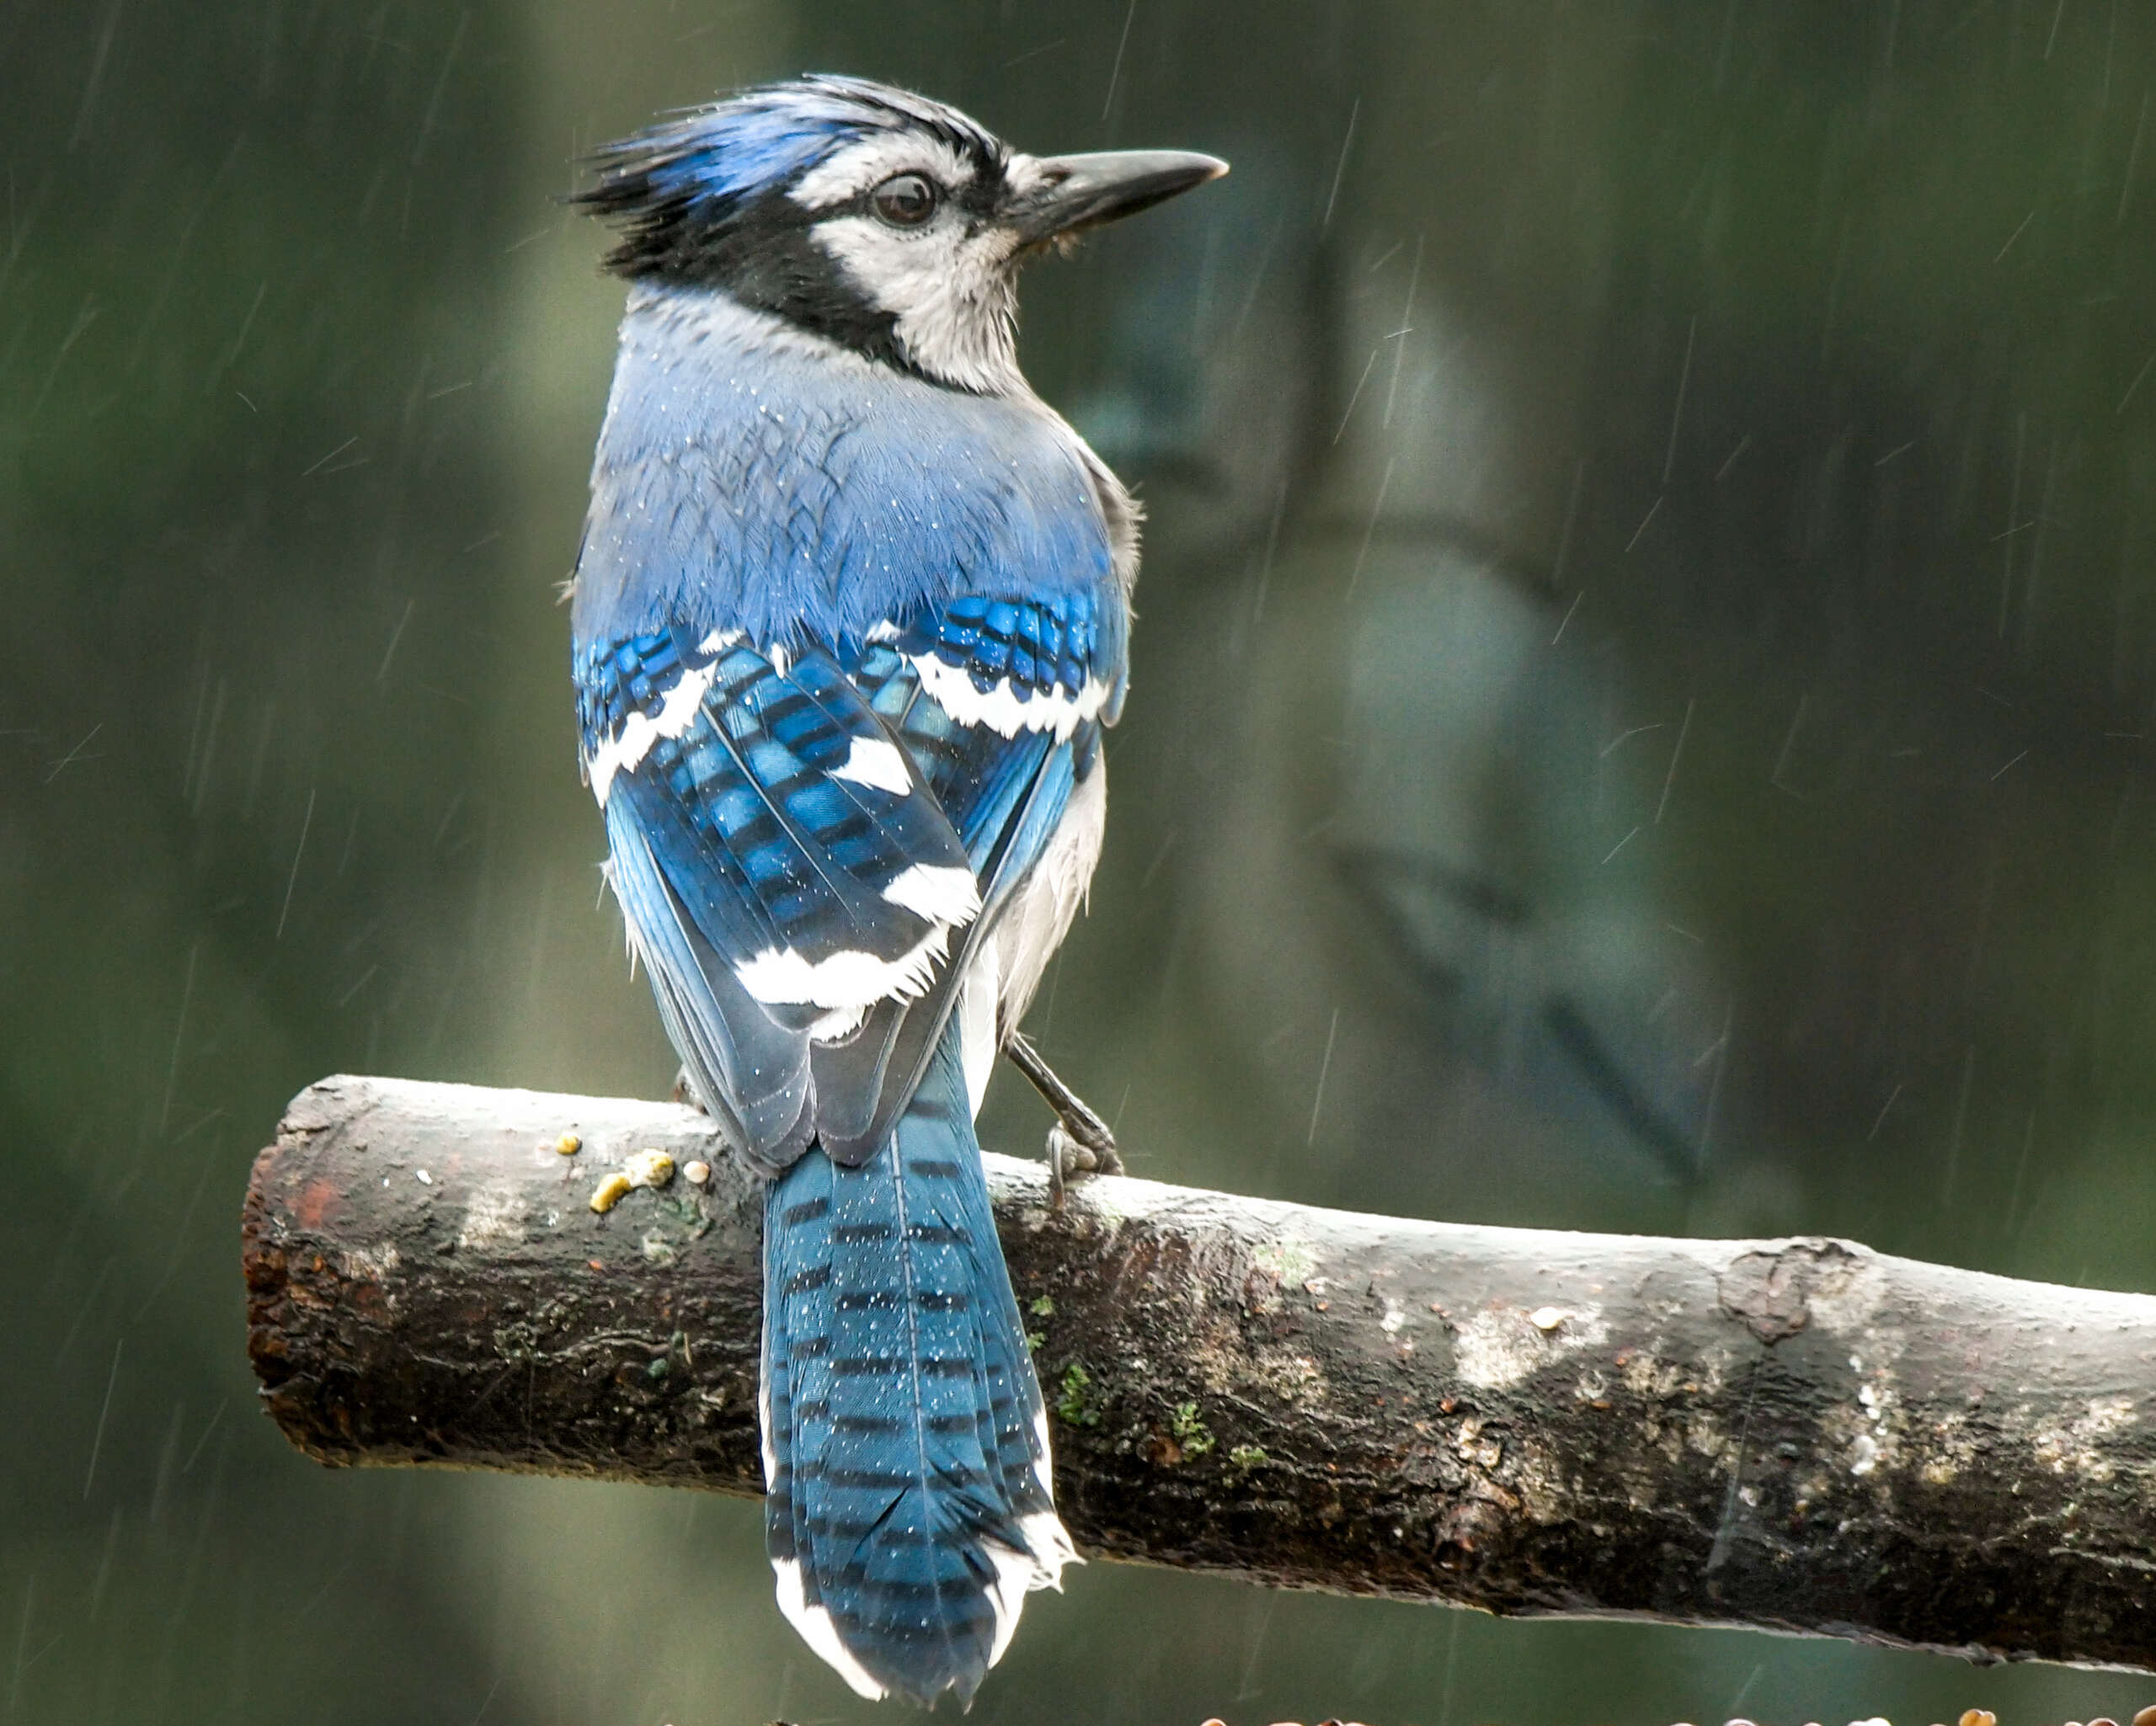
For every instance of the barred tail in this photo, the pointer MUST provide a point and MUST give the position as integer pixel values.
(905, 1444)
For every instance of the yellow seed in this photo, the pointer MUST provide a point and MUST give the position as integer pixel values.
(568, 1144)
(611, 1191)
(1978, 1717)
(650, 1168)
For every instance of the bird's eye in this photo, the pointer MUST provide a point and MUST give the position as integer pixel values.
(904, 199)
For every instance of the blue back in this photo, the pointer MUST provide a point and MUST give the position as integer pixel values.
(750, 478)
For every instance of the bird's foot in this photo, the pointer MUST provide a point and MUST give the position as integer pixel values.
(1080, 1142)
(1068, 1157)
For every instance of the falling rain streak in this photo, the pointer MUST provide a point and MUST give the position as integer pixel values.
(1639, 722)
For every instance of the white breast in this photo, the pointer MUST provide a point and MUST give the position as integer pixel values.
(1007, 968)
(1041, 910)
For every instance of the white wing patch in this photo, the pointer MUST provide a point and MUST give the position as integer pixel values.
(941, 893)
(1001, 708)
(624, 751)
(848, 979)
(876, 762)
(838, 1024)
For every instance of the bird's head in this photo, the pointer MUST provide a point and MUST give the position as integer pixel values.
(875, 217)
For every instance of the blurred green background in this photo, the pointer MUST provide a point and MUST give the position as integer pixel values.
(1641, 721)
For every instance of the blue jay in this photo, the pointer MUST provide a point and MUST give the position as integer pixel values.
(849, 613)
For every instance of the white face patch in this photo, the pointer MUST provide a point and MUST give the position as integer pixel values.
(876, 763)
(951, 293)
(1001, 708)
(946, 283)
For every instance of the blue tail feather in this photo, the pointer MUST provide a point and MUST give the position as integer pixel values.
(906, 1450)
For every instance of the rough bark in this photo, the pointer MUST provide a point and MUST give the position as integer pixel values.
(1800, 1435)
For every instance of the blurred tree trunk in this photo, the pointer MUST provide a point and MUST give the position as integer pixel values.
(1800, 1435)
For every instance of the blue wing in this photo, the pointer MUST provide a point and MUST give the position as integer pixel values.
(810, 847)
(782, 865)
(999, 702)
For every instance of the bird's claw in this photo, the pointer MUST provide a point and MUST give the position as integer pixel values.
(1076, 1148)
(1080, 1142)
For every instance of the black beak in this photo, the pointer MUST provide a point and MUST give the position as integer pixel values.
(1077, 192)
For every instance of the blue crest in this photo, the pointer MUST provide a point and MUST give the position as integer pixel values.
(707, 167)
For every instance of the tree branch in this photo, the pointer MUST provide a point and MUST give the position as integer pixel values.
(1800, 1435)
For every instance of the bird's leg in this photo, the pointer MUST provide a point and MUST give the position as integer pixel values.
(1080, 1142)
